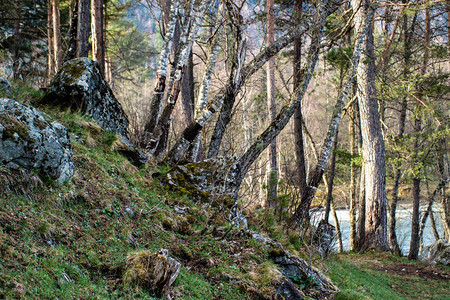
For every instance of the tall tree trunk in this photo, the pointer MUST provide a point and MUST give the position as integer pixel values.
(361, 226)
(161, 73)
(272, 109)
(353, 202)
(98, 53)
(17, 39)
(83, 28)
(331, 178)
(298, 117)
(50, 59)
(230, 96)
(373, 143)
(338, 227)
(415, 239)
(189, 134)
(73, 32)
(56, 35)
(195, 148)
(301, 212)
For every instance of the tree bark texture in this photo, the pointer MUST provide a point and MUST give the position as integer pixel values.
(202, 99)
(50, 59)
(238, 58)
(353, 202)
(98, 47)
(298, 117)
(415, 238)
(189, 134)
(301, 212)
(186, 48)
(57, 52)
(272, 108)
(73, 31)
(83, 28)
(373, 143)
(331, 178)
(161, 73)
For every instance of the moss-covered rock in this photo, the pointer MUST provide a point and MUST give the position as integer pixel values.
(30, 141)
(209, 181)
(80, 87)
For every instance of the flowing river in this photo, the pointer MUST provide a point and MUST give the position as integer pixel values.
(403, 226)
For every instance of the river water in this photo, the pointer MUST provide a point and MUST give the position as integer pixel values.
(403, 225)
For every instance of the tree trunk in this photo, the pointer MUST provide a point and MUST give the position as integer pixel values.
(73, 31)
(161, 73)
(195, 148)
(272, 109)
(56, 35)
(298, 117)
(175, 89)
(353, 202)
(331, 178)
(301, 212)
(373, 143)
(83, 28)
(338, 227)
(97, 29)
(50, 59)
(415, 240)
(361, 231)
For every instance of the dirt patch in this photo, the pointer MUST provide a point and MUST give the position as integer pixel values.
(424, 272)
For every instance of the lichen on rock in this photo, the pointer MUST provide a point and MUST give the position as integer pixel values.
(209, 181)
(80, 87)
(30, 141)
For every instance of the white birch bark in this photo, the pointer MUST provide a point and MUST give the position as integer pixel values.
(158, 94)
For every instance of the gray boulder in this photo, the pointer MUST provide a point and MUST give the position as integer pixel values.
(30, 141)
(80, 87)
(5, 85)
(437, 253)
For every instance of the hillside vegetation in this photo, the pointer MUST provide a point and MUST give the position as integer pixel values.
(72, 241)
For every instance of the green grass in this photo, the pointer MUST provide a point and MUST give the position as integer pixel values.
(379, 276)
(72, 241)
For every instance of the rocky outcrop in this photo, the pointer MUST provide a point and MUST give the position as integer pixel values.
(438, 253)
(80, 87)
(5, 86)
(30, 141)
(296, 270)
(210, 181)
(153, 271)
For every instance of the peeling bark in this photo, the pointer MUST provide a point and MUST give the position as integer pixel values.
(176, 87)
(158, 93)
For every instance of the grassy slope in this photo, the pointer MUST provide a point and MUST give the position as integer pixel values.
(71, 241)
